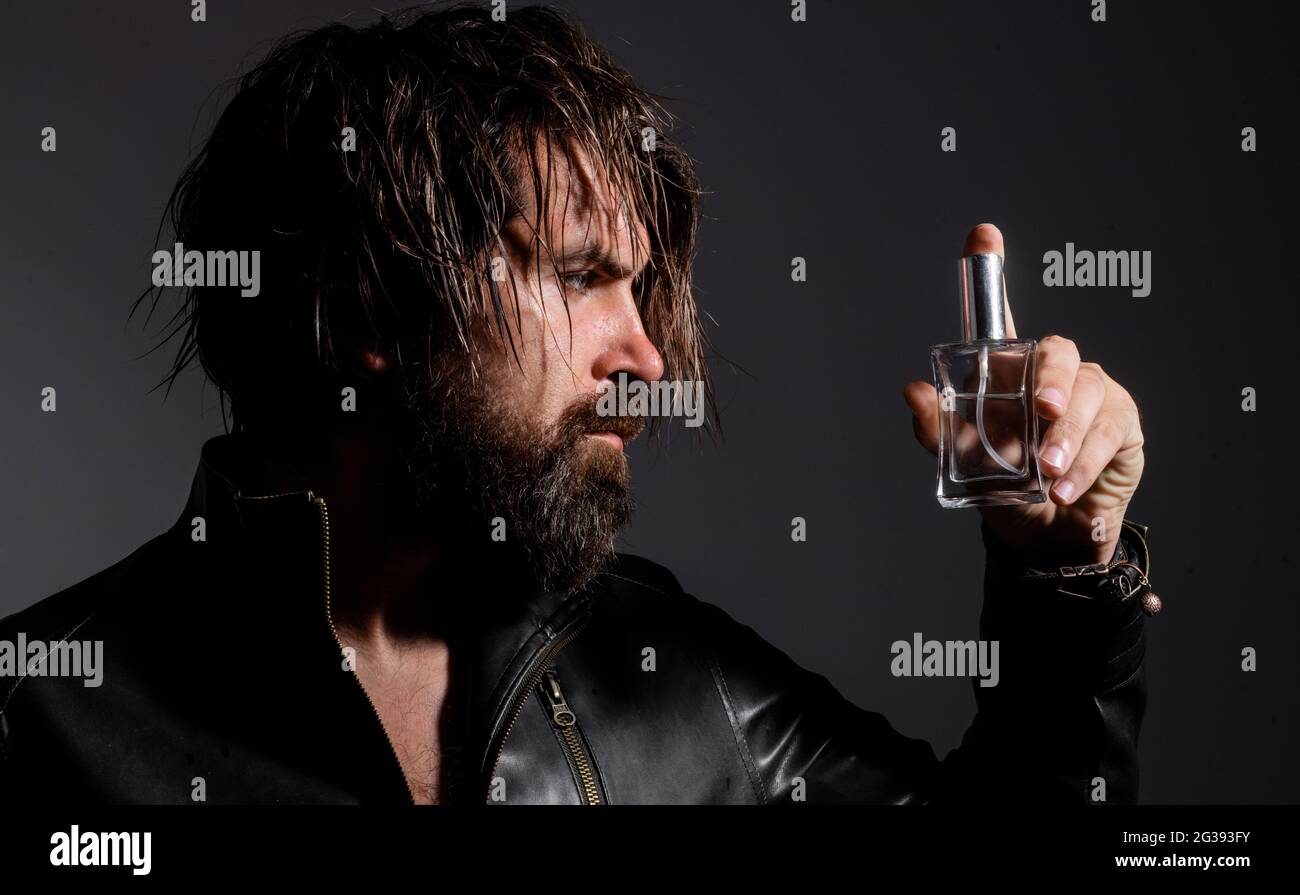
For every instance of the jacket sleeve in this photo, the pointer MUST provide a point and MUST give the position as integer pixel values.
(1061, 725)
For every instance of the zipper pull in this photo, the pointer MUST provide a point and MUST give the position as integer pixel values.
(561, 714)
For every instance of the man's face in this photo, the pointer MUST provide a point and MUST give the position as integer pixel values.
(571, 349)
(523, 441)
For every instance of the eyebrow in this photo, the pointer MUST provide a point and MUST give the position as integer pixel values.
(594, 256)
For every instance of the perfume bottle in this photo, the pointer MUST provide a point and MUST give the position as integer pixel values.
(988, 431)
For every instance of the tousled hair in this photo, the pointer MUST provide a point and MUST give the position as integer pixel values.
(455, 117)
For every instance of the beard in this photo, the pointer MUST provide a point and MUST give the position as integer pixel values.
(563, 497)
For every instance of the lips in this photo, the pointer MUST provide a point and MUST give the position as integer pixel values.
(613, 439)
(582, 418)
(624, 428)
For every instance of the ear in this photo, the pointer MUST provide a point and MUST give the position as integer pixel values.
(367, 353)
(374, 360)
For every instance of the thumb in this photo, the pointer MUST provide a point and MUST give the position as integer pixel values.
(983, 239)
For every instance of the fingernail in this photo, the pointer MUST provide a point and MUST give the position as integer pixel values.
(1052, 396)
(1064, 489)
(1054, 456)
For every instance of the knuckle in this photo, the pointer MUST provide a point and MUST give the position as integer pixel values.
(1092, 374)
(1125, 399)
(1125, 408)
(1133, 434)
(1067, 429)
(1057, 343)
(1109, 428)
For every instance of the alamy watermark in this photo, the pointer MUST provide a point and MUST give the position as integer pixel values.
(61, 658)
(661, 398)
(88, 849)
(946, 658)
(194, 268)
(1087, 268)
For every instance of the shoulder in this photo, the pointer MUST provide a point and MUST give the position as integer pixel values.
(635, 599)
(645, 596)
(60, 615)
(645, 592)
(633, 576)
(649, 599)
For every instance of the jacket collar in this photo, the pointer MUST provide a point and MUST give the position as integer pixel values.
(505, 641)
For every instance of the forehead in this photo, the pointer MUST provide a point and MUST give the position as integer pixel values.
(569, 199)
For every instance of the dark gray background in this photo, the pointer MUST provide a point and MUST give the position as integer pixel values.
(819, 140)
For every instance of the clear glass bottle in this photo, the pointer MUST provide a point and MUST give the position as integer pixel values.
(988, 431)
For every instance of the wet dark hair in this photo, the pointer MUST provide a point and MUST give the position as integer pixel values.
(393, 241)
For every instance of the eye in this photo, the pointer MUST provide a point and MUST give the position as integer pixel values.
(578, 281)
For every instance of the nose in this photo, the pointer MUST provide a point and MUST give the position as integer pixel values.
(628, 349)
(627, 346)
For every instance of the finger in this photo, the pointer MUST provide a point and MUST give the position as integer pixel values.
(1065, 437)
(1105, 438)
(924, 403)
(984, 238)
(1057, 367)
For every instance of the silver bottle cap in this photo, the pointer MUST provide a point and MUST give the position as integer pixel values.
(983, 297)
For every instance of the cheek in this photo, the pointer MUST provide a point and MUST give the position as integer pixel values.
(571, 341)
(538, 385)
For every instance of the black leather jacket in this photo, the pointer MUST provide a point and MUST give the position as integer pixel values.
(220, 663)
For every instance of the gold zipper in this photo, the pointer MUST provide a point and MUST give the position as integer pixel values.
(329, 616)
(567, 722)
(548, 656)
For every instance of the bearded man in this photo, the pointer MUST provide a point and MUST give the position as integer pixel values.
(395, 578)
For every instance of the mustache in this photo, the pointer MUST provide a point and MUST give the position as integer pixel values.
(581, 418)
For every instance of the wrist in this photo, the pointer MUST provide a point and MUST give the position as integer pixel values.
(1026, 540)
(1122, 579)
